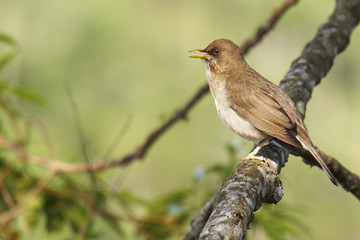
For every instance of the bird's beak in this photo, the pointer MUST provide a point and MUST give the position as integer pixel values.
(199, 51)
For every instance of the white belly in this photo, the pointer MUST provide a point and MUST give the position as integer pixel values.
(230, 118)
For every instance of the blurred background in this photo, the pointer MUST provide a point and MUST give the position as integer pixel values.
(127, 67)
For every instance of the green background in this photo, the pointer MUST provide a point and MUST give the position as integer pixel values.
(126, 63)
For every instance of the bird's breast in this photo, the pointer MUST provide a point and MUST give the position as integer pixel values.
(229, 117)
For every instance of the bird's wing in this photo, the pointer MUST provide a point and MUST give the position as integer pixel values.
(261, 108)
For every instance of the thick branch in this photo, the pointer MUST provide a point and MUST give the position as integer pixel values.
(255, 181)
(279, 156)
(318, 55)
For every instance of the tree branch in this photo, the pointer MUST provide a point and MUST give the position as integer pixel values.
(254, 181)
(264, 29)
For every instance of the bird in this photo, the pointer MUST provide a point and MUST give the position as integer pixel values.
(252, 106)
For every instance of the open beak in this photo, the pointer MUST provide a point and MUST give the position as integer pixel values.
(199, 51)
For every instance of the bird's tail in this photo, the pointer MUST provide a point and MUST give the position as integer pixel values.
(315, 153)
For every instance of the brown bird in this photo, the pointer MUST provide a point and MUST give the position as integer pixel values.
(250, 105)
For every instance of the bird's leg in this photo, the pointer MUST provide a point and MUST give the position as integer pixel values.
(261, 144)
(253, 153)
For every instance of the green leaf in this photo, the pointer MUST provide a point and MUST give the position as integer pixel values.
(23, 93)
(164, 205)
(6, 58)
(114, 224)
(129, 198)
(8, 40)
(157, 227)
(3, 86)
(28, 95)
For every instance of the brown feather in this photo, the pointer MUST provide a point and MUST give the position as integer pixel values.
(262, 110)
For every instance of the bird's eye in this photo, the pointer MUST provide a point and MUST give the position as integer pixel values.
(215, 51)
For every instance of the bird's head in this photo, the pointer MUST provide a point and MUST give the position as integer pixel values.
(219, 56)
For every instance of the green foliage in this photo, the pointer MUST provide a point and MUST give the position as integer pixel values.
(18, 183)
(62, 208)
(163, 217)
(9, 54)
(281, 221)
(22, 93)
(8, 91)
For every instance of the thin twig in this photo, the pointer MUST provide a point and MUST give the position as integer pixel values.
(6, 171)
(41, 127)
(11, 116)
(119, 136)
(264, 29)
(85, 225)
(78, 124)
(6, 195)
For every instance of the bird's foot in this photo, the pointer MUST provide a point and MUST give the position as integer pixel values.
(252, 154)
